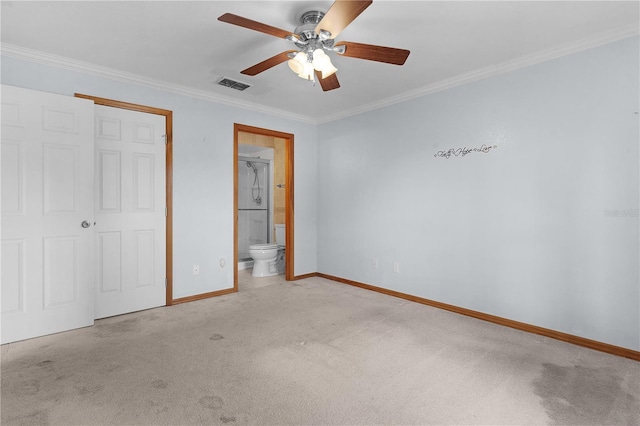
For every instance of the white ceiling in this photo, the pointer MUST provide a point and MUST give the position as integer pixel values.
(183, 45)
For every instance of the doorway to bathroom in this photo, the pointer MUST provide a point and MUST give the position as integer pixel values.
(263, 193)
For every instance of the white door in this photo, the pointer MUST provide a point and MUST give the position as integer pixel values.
(47, 195)
(130, 211)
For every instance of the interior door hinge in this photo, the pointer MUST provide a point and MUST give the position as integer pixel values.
(166, 282)
(166, 212)
(165, 139)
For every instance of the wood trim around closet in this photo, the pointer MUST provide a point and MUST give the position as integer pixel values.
(168, 115)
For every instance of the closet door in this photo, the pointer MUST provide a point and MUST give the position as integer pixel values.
(130, 211)
(47, 213)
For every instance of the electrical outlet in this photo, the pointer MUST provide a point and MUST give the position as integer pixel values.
(374, 264)
(196, 269)
(396, 267)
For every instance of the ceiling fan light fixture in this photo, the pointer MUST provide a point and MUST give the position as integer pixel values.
(330, 70)
(319, 57)
(301, 58)
(295, 66)
(322, 63)
(297, 63)
(308, 72)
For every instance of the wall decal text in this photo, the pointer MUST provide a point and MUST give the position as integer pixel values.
(461, 152)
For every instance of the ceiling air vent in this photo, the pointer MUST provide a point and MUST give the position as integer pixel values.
(227, 82)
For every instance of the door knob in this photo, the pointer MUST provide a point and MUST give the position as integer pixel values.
(85, 224)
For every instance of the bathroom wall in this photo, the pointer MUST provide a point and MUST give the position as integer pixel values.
(279, 168)
(202, 168)
(537, 221)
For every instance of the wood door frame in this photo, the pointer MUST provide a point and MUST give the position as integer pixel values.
(288, 187)
(168, 116)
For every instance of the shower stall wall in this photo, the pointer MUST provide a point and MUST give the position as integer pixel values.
(253, 204)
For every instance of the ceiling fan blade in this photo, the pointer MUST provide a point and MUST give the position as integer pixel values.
(340, 14)
(370, 52)
(230, 18)
(329, 83)
(268, 63)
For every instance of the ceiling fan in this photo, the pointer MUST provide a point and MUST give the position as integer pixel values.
(314, 38)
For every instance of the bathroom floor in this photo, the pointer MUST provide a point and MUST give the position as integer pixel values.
(247, 282)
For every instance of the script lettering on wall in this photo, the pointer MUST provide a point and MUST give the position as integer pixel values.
(461, 152)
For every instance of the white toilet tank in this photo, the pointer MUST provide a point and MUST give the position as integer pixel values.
(280, 234)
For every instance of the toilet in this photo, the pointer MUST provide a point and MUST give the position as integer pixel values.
(268, 259)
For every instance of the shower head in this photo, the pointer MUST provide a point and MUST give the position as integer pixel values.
(253, 166)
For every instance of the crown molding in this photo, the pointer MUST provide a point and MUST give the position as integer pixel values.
(620, 33)
(18, 52)
(494, 70)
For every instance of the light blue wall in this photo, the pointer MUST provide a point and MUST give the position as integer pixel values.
(202, 170)
(542, 229)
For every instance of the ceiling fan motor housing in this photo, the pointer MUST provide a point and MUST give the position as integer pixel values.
(306, 32)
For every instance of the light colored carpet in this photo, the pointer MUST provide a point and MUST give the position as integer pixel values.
(310, 352)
